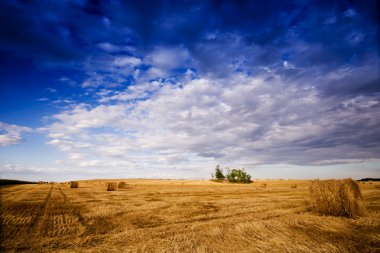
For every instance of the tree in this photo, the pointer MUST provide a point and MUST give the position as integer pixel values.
(219, 174)
(238, 176)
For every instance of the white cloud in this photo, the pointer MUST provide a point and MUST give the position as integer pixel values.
(165, 59)
(63, 79)
(51, 90)
(288, 65)
(11, 134)
(360, 102)
(76, 156)
(100, 80)
(81, 117)
(42, 99)
(127, 61)
(139, 91)
(10, 168)
(350, 13)
(33, 173)
(68, 146)
(168, 58)
(240, 120)
(112, 48)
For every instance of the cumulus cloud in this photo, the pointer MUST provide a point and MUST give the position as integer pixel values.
(243, 119)
(11, 134)
(112, 48)
(82, 117)
(127, 61)
(165, 59)
(138, 91)
(46, 173)
(10, 168)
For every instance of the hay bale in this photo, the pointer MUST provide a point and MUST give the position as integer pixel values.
(123, 185)
(111, 186)
(74, 184)
(337, 197)
(293, 186)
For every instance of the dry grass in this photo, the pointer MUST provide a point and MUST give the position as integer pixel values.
(122, 185)
(74, 184)
(337, 197)
(293, 186)
(180, 216)
(111, 186)
(264, 185)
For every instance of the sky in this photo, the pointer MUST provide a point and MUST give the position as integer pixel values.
(170, 89)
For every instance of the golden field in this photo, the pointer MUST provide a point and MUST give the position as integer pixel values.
(181, 216)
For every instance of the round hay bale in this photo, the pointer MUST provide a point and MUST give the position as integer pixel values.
(111, 186)
(74, 184)
(122, 185)
(337, 198)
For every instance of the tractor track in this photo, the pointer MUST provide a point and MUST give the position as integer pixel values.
(62, 218)
(23, 217)
(49, 215)
(73, 209)
(38, 221)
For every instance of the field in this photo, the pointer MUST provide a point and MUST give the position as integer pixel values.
(180, 216)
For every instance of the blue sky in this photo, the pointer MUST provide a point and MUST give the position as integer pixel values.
(170, 89)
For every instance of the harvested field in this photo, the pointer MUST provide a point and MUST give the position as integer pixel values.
(180, 216)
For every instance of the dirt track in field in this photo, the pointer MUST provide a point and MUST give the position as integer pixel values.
(41, 211)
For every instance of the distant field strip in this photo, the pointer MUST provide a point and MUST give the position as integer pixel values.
(17, 192)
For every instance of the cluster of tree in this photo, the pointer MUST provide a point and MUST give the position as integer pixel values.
(233, 176)
(368, 179)
(13, 181)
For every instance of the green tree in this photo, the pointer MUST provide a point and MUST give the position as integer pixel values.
(238, 176)
(219, 174)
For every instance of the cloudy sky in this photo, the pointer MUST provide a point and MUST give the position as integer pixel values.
(170, 89)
